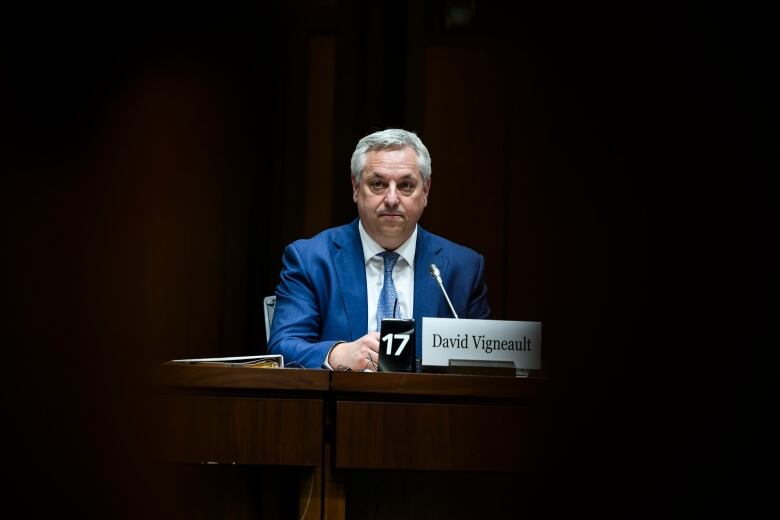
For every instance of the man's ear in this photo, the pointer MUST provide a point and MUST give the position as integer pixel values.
(354, 189)
(426, 191)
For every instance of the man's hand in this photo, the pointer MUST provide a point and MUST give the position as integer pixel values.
(361, 355)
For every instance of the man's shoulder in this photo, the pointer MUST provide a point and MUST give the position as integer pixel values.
(436, 242)
(322, 240)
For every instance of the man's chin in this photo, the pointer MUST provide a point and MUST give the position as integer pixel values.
(392, 228)
(396, 235)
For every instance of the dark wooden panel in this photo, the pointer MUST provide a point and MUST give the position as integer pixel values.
(429, 495)
(431, 436)
(200, 491)
(444, 385)
(468, 202)
(198, 376)
(230, 430)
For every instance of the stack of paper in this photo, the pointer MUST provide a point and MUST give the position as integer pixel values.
(264, 361)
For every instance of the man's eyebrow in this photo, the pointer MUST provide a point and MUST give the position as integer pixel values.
(381, 176)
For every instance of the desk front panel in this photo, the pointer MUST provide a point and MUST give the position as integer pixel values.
(241, 430)
(431, 436)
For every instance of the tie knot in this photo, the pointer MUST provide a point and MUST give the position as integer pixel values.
(390, 258)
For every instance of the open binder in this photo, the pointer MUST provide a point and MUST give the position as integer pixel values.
(263, 361)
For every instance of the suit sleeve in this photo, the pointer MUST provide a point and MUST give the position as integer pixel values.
(297, 324)
(478, 307)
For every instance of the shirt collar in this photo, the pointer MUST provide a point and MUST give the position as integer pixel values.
(371, 248)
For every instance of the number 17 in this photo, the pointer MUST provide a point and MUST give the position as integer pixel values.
(389, 340)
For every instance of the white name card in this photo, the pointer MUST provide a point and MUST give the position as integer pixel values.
(484, 340)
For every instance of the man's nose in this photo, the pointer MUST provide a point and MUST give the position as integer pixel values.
(391, 196)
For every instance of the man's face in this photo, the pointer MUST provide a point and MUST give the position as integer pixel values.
(390, 196)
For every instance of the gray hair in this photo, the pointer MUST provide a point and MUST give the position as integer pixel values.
(391, 139)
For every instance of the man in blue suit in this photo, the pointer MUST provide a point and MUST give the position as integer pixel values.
(334, 291)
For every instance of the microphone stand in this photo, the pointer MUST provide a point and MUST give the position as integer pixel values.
(437, 276)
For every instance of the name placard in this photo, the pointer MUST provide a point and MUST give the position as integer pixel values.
(486, 340)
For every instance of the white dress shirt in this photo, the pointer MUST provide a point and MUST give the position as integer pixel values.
(403, 275)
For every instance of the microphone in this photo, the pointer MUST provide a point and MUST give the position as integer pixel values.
(437, 276)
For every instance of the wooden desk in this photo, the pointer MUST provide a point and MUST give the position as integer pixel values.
(432, 421)
(430, 445)
(364, 444)
(250, 436)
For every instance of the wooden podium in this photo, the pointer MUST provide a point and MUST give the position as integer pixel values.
(313, 444)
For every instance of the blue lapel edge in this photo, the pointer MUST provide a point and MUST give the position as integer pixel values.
(347, 253)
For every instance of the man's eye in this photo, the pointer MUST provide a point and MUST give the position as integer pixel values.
(376, 185)
(406, 187)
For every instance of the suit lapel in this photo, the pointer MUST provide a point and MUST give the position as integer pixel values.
(347, 254)
(427, 295)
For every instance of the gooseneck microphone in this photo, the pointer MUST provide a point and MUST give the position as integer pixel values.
(437, 276)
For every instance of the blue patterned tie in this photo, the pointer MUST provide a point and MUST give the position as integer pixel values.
(388, 296)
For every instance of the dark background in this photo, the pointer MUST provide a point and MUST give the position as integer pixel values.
(612, 163)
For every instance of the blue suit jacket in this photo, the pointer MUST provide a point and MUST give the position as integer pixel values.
(321, 298)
